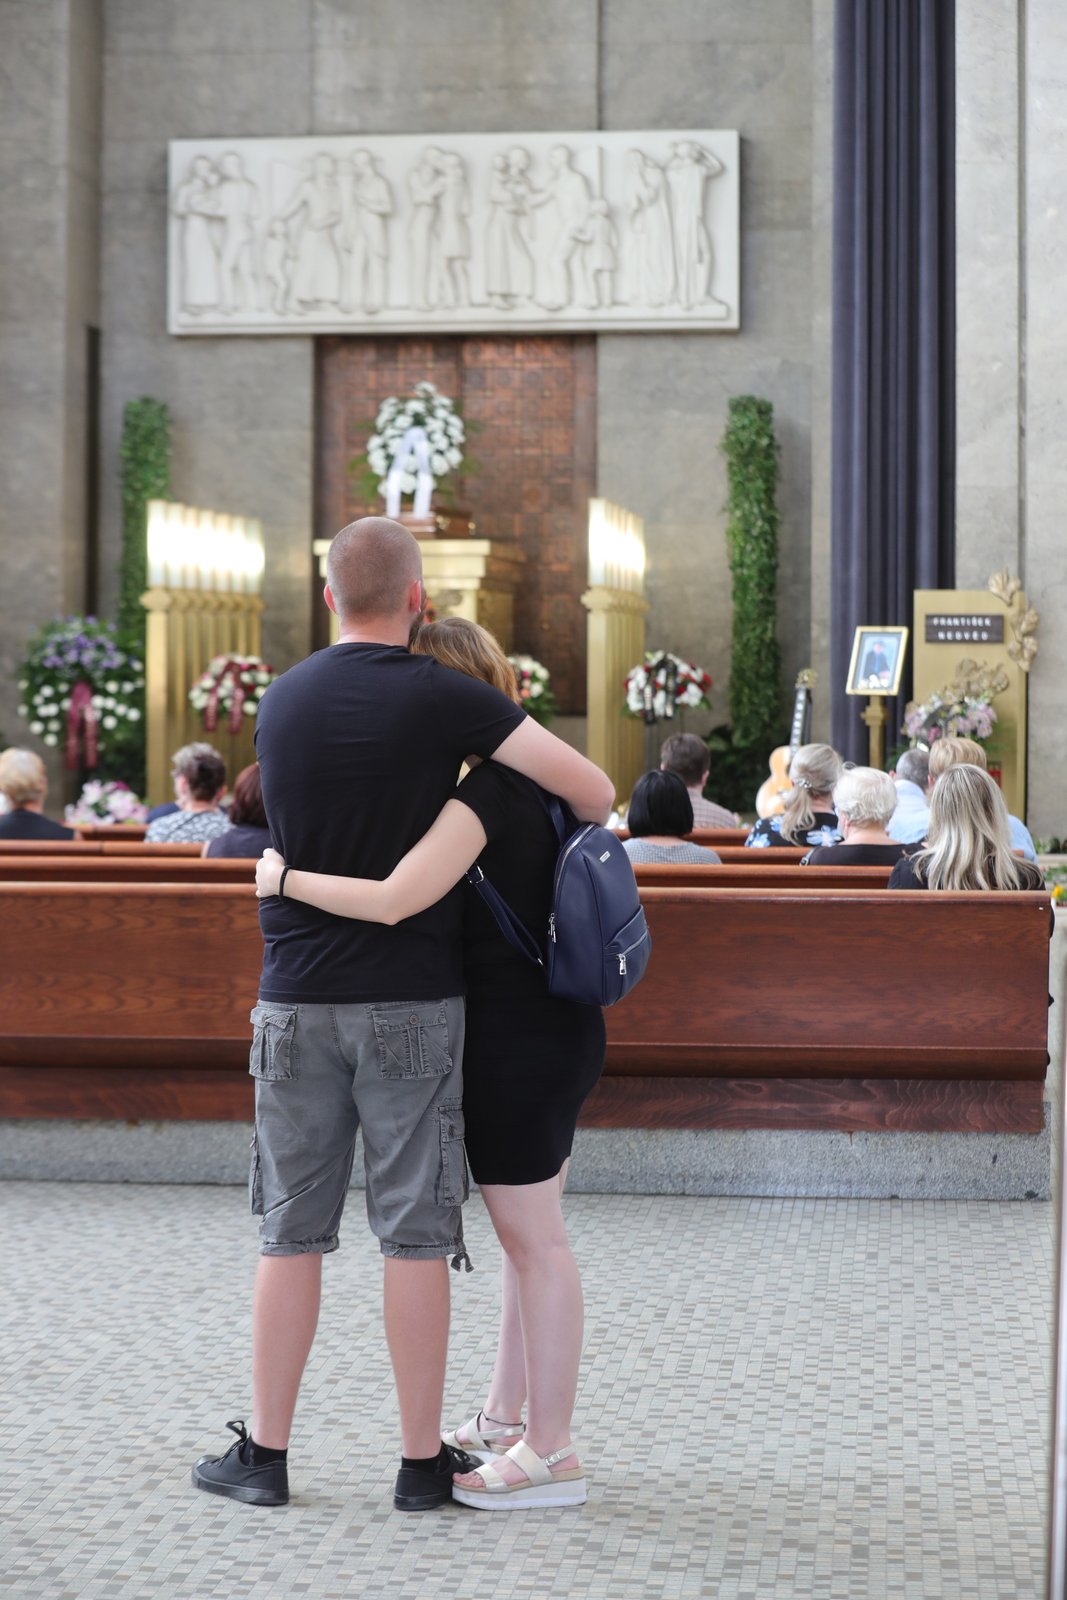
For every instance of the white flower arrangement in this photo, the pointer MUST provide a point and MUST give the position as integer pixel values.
(426, 409)
(232, 686)
(664, 680)
(77, 659)
(534, 685)
(112, 803)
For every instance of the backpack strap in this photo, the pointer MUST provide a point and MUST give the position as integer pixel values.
(515, 932)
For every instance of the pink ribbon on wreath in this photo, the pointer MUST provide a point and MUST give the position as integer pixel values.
(81, 726)
(211, 710)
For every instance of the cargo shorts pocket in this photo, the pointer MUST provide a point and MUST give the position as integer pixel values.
(453, 1187)
(273, 1056)
(412, 1041)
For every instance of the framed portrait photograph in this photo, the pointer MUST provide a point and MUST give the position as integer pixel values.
(877, 661)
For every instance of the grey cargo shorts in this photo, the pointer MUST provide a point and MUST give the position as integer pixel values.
(324, 1071)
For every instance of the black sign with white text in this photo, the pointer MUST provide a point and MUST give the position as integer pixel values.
(964, 628)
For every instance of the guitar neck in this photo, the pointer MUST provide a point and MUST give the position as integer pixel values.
(801, 708)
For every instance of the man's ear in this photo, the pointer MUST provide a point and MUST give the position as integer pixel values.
(327, 595)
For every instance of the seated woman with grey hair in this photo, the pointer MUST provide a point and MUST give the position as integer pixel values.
(864, 800)
(24, 786)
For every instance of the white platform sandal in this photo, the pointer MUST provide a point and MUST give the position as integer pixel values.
(543, 1488)
(484, 1442)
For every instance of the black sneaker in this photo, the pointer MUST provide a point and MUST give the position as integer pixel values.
(422, 1488)
(229, 1475)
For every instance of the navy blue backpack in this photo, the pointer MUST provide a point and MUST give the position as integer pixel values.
(597, 942)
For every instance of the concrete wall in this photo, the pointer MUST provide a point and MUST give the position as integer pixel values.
(49, 179)
(1011, 472)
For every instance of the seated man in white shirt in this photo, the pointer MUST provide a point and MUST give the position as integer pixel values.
(686, 755)
(910, 820)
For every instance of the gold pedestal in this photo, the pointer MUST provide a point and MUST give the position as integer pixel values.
(876, 716)
(473, 578)
(185, 629)
(616, 635)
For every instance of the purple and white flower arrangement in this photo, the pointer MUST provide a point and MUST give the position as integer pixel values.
(78, 659)
(947, 714)
(98, 803)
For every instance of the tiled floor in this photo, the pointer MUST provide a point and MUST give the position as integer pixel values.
(821, 1399)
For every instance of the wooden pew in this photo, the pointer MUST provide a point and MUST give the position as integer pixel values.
(761, 1008)
(127, 869)
(713, 837)
(767, 875)
(103, 831)
(74, 848)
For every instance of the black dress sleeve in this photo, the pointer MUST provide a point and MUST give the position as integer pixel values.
(485, 791)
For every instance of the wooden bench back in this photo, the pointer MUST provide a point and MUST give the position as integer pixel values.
(742, 982)
(844, 982)
(766, 875)
(73, 848)
(127, 869)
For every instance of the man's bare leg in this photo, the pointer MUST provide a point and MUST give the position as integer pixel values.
(285, 1314)
(416, 1330)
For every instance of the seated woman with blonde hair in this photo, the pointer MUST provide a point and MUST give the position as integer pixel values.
(24, 785)
(809, 817)
(968, 845)
(864, 800)
(946, 753)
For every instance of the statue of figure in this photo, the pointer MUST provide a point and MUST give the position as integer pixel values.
(317, 269)
(564, 264)
(521, 190)
(369, 201)
(197, 204)
(651, 259)
(278, 262)
(426, 185)
(454, 234)
(601, 243)
(239, 206)
(688, 170)
(497, 276)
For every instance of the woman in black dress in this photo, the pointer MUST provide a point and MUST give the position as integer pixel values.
(968, 844)
(529, 1061)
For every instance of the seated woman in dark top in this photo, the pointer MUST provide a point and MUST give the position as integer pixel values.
(24, 785)
(808, 817)
(864, 800)
(968, 845)
(660, 812)
(248, 834)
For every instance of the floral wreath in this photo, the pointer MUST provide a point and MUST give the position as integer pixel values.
(533, 681)
(437, 415)
(233, 685)
(79, 685)
(662, 682)
(105, 803)
(950, 715)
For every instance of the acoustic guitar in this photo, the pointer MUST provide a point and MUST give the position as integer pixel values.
(775, 790)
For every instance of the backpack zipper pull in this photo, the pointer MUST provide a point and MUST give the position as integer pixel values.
(622, 966)
(552, 926)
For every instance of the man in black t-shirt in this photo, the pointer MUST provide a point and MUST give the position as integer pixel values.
(359, 1024)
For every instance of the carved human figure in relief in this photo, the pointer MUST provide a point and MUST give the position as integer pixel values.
(316, 208)
(368, 202)
(453, 241)
(689, 168)
(601, 254)
(426, 185)
(278, 262)
(239, 206)
(497, 278)
(562, 277)
(651, 277)
(196, 203)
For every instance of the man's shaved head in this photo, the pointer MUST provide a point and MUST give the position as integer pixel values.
(370, 568)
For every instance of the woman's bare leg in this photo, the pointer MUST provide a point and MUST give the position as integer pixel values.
(529, 1222)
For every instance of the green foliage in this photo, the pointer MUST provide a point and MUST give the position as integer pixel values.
(737, 770)
(145, 471)
(751, 451)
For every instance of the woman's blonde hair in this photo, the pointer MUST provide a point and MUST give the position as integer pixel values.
(814, 770)
(22, 777)
(946, 753)
(866, 796)
(467, 647)
(968, 841)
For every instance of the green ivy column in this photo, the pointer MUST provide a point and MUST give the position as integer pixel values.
(752, 539)
(145, 464)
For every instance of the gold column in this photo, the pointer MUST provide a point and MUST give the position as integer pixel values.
(615, 629)
(186, 628)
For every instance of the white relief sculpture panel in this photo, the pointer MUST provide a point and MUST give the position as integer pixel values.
(400, 233)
